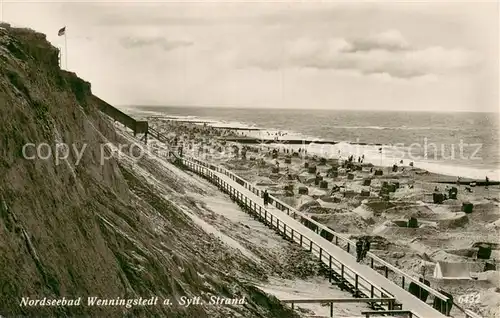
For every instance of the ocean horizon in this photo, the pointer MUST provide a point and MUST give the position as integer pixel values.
(457, 144)
(151, 107)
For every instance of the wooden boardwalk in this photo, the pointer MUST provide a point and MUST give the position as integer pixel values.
(341, 263)
(332, 248)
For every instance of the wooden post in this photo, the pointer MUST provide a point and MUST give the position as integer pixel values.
(372, 292)
(441, 305)
(330, 267)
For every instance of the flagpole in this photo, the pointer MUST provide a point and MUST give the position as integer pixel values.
(59, 56)
(66, 50)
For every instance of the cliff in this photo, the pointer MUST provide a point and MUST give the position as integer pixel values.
(84, 227)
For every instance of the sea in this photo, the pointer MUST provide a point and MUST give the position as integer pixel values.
(461, 144)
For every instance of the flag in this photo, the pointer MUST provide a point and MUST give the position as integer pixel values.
(62, 31)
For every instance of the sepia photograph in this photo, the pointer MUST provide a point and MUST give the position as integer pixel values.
(249, 158)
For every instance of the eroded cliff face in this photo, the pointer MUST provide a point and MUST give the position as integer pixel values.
(93, 228)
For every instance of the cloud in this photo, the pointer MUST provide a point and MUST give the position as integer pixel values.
(138, 42)
(385, 53)
(391, 40)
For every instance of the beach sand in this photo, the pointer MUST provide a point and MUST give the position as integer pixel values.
(445, 233)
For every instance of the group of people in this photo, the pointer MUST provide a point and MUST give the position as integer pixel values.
(362, 247)
(351, 158)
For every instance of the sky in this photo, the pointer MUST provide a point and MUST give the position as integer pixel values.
(404, 56)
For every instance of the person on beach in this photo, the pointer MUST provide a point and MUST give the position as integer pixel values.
(359, 250)
(487, 181)
(423, 269)
(366, 248)
(266, 197)
(317, 178)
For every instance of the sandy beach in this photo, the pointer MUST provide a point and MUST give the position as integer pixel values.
(273, 159)
(365, 200)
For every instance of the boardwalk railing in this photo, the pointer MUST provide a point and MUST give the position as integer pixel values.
(318, 228)
(332, 301)
(336, 238)
(393, 313)
(347, 274)
(137, 126)
(327, 233)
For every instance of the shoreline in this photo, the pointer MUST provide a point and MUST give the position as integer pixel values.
(254, 140)
(476, 174)
(418, 174)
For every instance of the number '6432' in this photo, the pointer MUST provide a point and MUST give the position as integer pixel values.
(472, 298)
